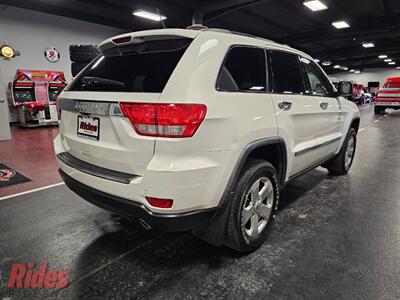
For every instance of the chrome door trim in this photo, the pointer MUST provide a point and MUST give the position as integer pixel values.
(316, 146)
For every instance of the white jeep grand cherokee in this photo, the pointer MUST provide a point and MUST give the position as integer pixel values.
(199, 130)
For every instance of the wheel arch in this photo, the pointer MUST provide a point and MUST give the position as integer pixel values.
(272, 150)
(269, 148)
(355, 123)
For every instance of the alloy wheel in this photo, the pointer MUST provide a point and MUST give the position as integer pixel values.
(257, 207)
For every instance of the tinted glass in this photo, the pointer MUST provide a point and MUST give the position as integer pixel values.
(287, 76)
(393, 85)
(144, 68)
(320, 85)
(244, 70)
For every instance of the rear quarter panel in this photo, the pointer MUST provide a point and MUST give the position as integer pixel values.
(233, 120)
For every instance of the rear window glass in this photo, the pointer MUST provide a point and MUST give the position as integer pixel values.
(142, 68)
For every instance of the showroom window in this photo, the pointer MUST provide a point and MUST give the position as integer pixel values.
(244, 70)
(141, 68)
(287, 75)
(320, 85)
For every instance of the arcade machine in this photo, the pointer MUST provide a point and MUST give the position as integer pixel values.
(34, 94)
(6, 53)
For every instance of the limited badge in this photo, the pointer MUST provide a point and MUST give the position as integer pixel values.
(52, 55)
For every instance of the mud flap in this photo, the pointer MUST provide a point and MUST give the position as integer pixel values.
(214, 232)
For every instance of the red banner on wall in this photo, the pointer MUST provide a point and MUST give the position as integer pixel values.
(39, 76)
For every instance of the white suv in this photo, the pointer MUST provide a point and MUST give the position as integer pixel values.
(199, 130)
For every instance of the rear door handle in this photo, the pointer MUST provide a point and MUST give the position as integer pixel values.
(323, 105)
(285, 105)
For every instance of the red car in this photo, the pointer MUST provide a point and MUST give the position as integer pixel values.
(388, 96)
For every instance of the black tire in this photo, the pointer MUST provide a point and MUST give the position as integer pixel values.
(236, 233)
(76, 68)
(378, 110)
(83, 53)
(339, 166)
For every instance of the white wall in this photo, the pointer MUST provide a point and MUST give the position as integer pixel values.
(32, 32)
(368, 75)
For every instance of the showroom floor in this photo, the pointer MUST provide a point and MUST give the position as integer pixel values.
(30, 152)
(333, 238)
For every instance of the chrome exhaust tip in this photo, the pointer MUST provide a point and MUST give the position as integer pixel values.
(144, 224)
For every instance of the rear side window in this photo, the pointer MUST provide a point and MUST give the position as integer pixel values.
(286, 73)
(142, 68)
(244, 70)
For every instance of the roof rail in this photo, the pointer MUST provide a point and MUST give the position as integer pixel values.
(244, 34)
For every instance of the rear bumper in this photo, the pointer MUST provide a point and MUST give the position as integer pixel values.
(165, 222)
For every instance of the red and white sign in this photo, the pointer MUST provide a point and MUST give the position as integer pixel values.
(52, 55)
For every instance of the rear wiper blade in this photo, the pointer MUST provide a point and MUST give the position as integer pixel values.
(101, 81)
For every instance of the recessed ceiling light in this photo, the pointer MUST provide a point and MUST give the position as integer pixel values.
(368, 45)
(382, 56)
(317, 60)
(357, 72)
(326, 63)
(315, 5)
(149, 15)
(352, 70)
(387, 60)
(340, 24)
(336, 67)
(345, 68)
(392, 63)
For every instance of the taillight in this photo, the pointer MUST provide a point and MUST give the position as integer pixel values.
(122, 40)
(164, 120)
(161, 203)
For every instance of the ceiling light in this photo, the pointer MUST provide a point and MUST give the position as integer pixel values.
(382, 56)
(317, 60)
(315, 5)
(352, 70)
(149, 15)
(340, 24)
(368, 45)
(387, 60)
(357, 72)
(345, 68)
(392, 63)
(336, 67)
(326, 63)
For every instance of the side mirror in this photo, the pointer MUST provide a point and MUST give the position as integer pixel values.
(345, 88)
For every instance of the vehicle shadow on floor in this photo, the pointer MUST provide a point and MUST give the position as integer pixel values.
(297, 188)
(133, 260)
